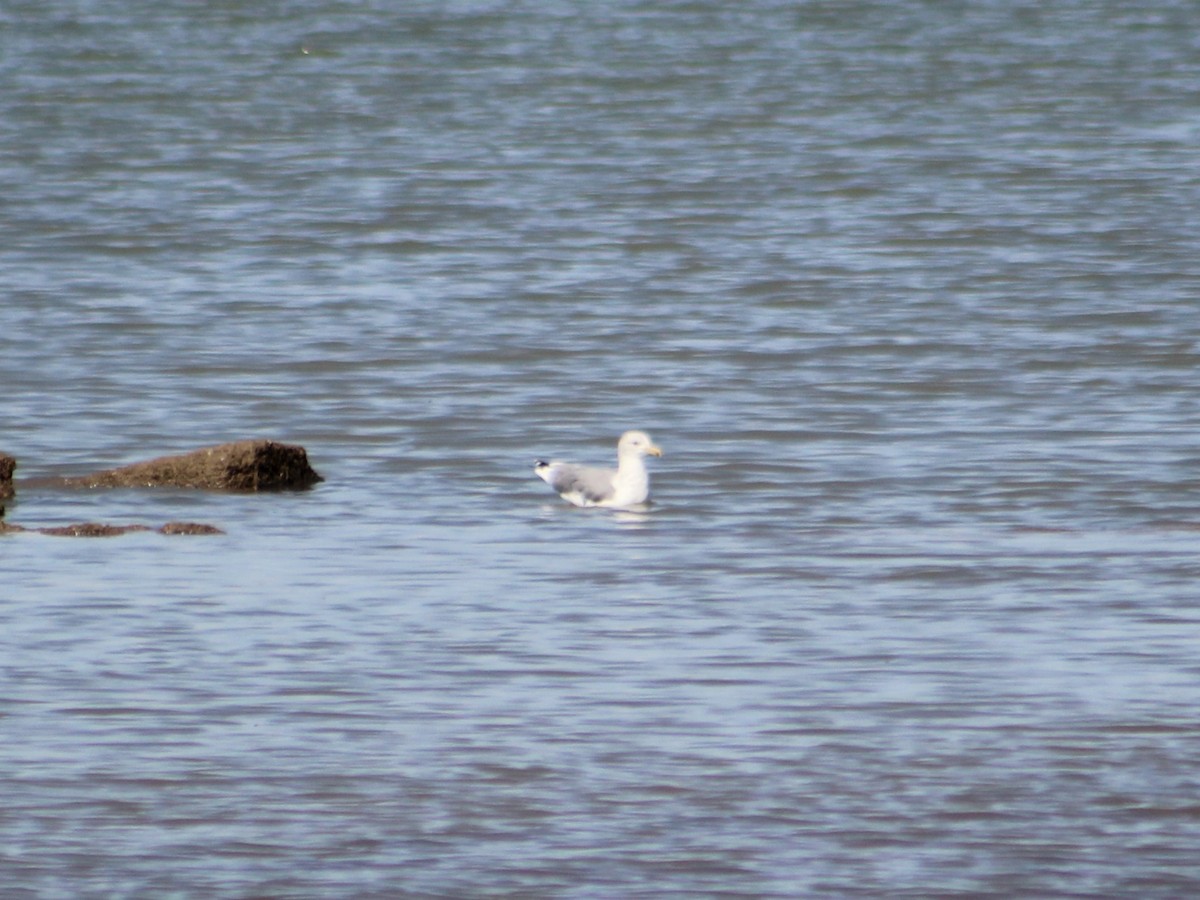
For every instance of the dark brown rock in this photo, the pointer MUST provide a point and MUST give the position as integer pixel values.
(240, 466)
(7, 465)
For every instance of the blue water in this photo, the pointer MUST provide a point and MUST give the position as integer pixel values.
(906, 293)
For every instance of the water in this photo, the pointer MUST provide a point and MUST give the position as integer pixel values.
(906, 292)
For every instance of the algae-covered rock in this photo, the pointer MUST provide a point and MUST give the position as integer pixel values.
(7, 465)
(239, 466)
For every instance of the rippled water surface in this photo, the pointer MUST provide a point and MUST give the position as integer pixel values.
(906, 292)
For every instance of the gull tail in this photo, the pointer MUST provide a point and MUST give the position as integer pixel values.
(543, 470)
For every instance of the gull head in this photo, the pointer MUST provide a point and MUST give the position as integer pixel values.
(637, 443)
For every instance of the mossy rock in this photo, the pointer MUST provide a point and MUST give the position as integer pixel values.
(240, 466)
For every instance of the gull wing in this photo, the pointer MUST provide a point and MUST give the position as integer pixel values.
(582, 484)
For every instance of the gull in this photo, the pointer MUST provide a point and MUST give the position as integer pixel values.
(626, 485)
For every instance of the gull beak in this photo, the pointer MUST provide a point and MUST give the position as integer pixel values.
(653, 450)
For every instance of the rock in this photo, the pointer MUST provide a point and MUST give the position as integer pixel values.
(99, 529)
(91, 529)
(7, 465)
(240, 466)
(189, 528)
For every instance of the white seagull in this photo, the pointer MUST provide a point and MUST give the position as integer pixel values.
(626, 485)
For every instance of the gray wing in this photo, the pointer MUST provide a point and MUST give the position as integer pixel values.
(593, 485)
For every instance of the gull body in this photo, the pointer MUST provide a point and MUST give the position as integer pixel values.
(626, 485)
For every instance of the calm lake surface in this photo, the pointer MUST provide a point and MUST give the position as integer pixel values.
(909, 294)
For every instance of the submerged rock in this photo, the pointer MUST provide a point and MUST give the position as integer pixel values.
(99, 529)
(90, 529)
(189, 528)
